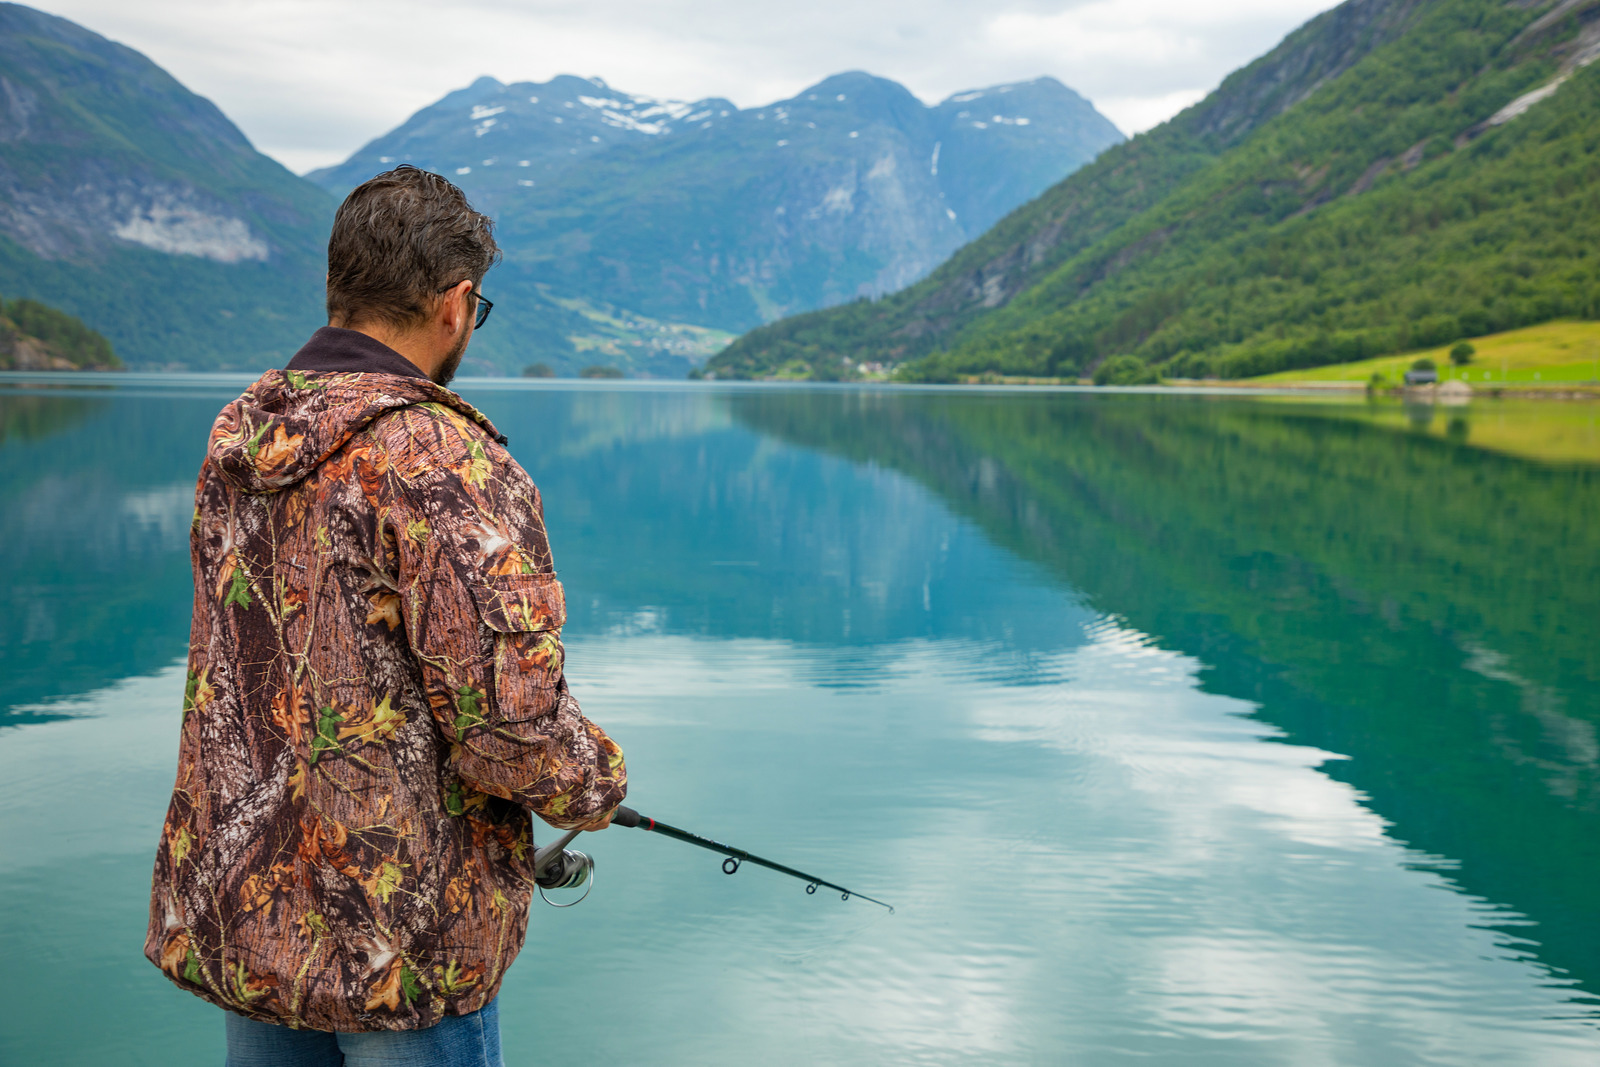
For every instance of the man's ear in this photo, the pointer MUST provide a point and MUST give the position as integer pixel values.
(453, 307)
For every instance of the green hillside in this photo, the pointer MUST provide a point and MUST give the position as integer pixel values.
(1362, 189)
(35, 336)
(1562, 352)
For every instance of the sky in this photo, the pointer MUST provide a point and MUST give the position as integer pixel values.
(310, 81)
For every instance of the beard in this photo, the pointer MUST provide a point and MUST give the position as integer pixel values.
(447, 369)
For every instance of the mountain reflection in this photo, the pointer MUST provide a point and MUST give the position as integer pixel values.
(665, 515)
(1425, 608)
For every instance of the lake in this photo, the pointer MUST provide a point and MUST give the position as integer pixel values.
(1178, 729)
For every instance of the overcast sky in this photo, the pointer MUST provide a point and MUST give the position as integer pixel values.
(310, 81)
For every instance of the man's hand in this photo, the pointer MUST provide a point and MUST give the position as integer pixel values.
(598, 824)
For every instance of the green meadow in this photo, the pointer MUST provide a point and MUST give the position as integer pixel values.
(1556, 352)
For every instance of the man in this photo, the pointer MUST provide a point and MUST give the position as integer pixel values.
(375, 695)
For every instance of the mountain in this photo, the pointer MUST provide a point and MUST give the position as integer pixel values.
(1396, 173)
(639, 233)
(700, 212)
(34, 336)
(137, 206)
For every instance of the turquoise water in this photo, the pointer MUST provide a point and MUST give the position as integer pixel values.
(1178, 730)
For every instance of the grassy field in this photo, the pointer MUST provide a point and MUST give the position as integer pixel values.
(1554, 352)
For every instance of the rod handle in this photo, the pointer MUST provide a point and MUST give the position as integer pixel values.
(626, 816)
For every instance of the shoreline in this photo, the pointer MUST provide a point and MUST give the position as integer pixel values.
(1429, 394)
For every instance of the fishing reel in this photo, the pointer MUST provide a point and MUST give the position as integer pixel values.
(569, 870)
(557, 867)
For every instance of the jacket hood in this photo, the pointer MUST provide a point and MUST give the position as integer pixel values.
(289, 421)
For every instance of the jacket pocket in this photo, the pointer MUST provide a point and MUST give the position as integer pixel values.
(520, 603)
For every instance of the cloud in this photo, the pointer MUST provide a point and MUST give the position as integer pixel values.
(311, 80)
(1135, 114)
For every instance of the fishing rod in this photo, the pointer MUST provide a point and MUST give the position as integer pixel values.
(555, 867)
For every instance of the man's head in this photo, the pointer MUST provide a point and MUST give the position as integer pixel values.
(406, 255)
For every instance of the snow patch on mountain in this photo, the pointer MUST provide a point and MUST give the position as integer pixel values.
(641, 114)
(621, 121)
(839, 200)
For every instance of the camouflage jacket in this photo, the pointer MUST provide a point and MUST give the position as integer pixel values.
(375, 700)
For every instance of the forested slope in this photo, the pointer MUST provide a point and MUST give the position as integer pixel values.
(1378, 181)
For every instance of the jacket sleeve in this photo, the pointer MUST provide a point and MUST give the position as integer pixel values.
(483, 611)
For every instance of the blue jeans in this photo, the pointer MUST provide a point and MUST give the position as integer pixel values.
(456, 1041)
